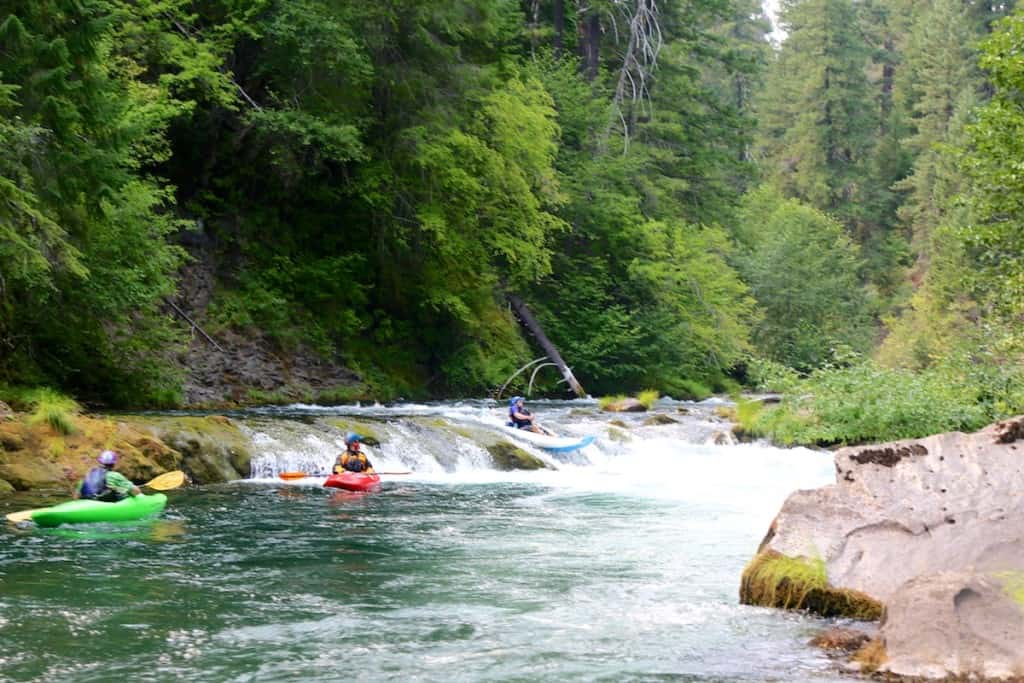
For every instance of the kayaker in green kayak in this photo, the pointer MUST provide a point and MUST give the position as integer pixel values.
(353, 459)
(103, 483)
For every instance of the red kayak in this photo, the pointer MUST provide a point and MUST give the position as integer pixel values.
(353, 481)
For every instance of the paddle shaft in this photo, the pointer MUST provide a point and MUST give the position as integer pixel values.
(302, 475)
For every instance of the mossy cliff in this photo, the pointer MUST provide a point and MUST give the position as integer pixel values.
(36, 455)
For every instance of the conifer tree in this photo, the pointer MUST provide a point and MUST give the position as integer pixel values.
(818, 120)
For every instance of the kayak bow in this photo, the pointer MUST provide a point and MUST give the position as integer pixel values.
(353, 481)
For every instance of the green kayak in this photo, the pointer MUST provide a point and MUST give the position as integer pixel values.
(85, 511)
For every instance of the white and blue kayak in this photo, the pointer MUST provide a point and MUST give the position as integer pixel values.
(555, 444)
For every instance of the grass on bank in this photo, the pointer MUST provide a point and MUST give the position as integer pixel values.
(865, 402)
(45, 405)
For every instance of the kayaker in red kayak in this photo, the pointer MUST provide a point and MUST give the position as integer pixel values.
(103, 483)
(353, 459)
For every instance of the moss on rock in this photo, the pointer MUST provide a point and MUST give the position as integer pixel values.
(212, 448)
(1013, 584)
(508, 457)
(774, 580)
(35, 456)
(27, 474)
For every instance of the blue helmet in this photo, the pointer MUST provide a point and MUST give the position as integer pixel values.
(514, 400)
(107, 458)
(350, 437)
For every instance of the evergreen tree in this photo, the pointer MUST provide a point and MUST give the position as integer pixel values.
(818, 123)
(803, 270)
(936, 82)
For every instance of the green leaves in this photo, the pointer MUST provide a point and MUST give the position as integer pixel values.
(804, 273)
(864, 402)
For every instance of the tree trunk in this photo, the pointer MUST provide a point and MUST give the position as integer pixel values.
(559, 19)
(524, 315)
(590, 38)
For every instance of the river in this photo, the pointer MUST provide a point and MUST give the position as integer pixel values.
(622, 564)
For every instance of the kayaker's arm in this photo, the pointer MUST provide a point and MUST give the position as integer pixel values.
(118, 482)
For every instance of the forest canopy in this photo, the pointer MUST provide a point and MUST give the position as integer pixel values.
(676, 198)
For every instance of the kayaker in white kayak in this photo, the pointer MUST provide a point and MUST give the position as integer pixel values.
(353, 459)
(520, 417)
(103, 483)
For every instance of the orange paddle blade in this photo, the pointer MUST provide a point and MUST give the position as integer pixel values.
(293, 475)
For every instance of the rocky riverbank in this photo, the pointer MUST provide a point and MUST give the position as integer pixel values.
(928, 534)
(40, 457)
(36, 456)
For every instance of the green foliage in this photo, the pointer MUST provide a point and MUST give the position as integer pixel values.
(695, 390)
(606, 401)
(864, 402)
(89, 90)
(993, 235)
(648, 397)
(803, 271)
(46, 406)
(369, 182)
(818, 124)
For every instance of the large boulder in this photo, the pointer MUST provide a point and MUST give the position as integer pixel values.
(948, 624)
(910, 509)
(213, 448)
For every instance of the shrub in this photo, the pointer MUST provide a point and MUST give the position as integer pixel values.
(54, 409)
(606, 401)
(648, 397)
(866, 402)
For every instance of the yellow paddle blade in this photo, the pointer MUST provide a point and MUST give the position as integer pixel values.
(167, 481)
(23, 516)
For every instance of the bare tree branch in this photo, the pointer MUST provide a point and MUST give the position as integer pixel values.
(632, 93)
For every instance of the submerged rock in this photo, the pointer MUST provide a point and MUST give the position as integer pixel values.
(659, 419)
(625, 405)
(931, 528)
(840, 639)
(509, 457)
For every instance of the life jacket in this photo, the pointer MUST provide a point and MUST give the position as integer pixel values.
(513, 422)
(354, 462)
(95, 483)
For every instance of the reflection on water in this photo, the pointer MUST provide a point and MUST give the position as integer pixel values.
(154, 531)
